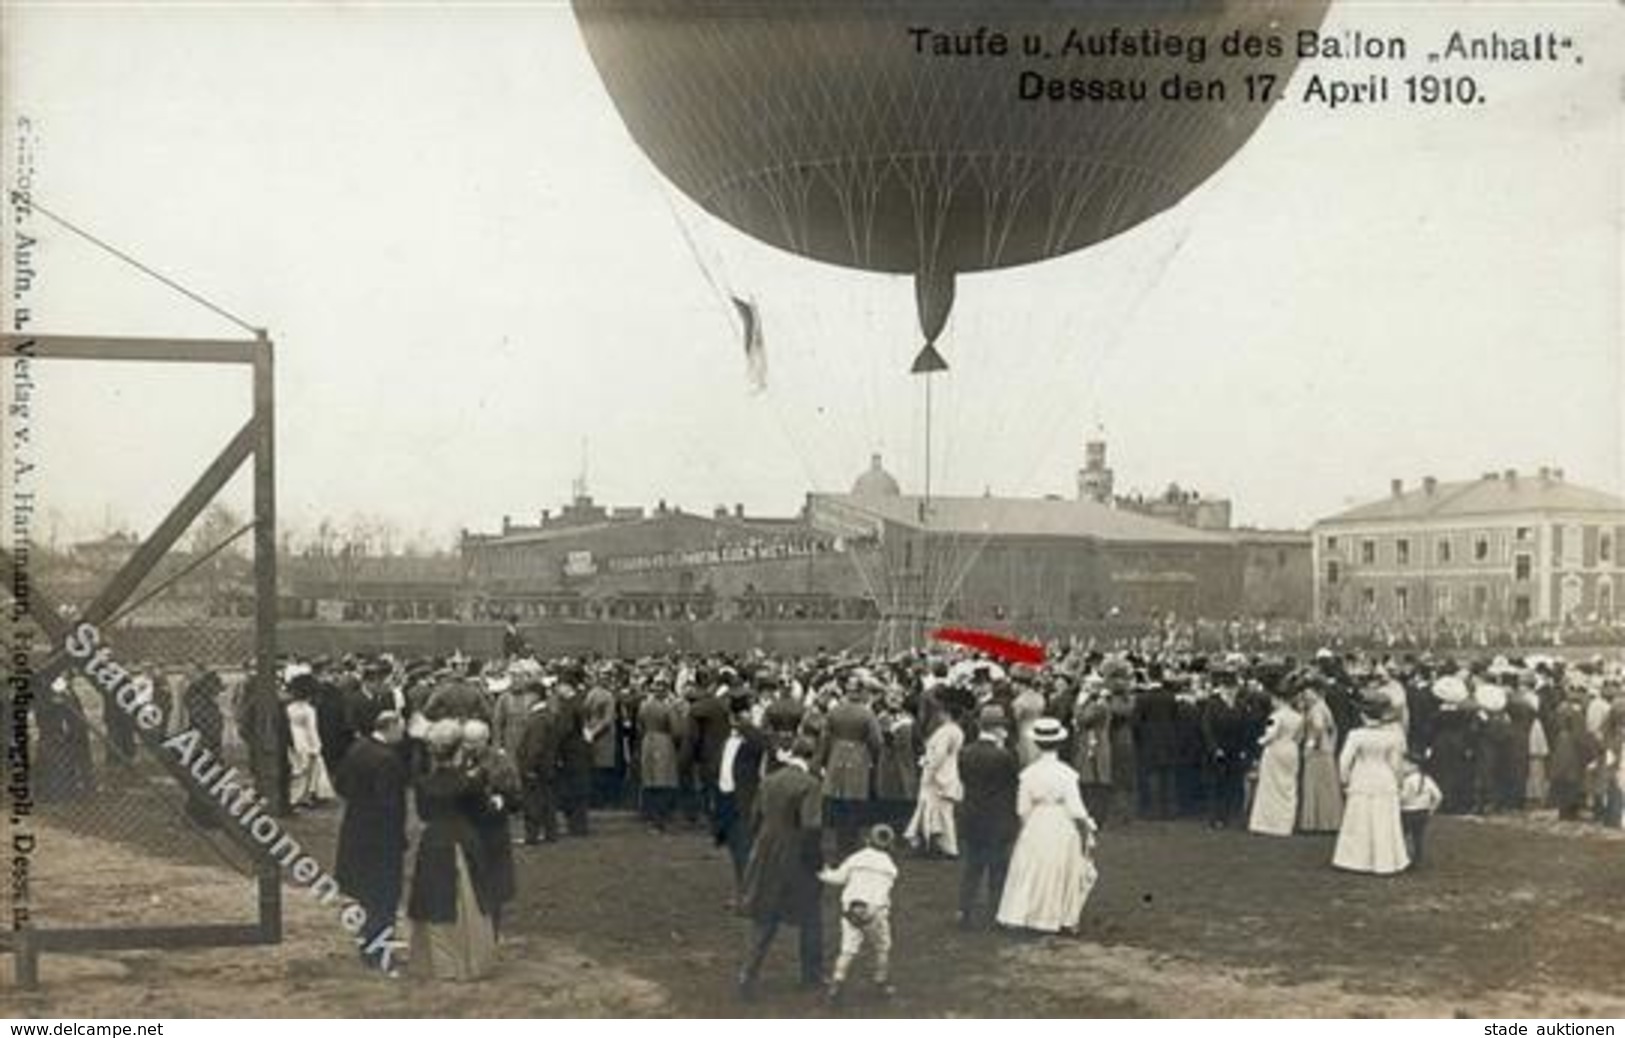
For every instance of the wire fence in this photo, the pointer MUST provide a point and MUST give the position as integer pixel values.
(98, 788)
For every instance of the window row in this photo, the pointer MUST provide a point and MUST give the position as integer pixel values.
(1478, 547)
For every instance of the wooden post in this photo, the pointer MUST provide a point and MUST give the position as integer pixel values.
(266, 748)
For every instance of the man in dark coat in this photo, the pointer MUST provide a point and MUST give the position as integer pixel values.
(1341, 693)
(332, 717)
(781, 879)
(366, 696)
(256, 709)
(121, 737)
(372, 779)
(539, 773)
(708, 731)
(202, 702)
(1227, 749)
(575, 755)
(1189, 785)
(1156, 747)
(65, 768)
(987, 815)
(737, 784)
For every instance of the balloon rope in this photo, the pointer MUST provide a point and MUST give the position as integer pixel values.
(724, 295)
(31, 204)
(1159, 270)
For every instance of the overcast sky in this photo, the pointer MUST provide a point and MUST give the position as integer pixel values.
(472, 275)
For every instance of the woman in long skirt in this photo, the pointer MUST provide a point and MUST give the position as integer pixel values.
(1051, 872)
(1536, 789)
(450, 906)
(1321, 807)
(657, 755)
(500, 783)
(1092, 751)
(897, 780)
(1275, 798)
(1372, 838)
(309, 785)
(932, 827)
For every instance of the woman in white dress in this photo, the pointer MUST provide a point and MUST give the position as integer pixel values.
(1372, 838)
(1275, 799)
(932, 827)
(1320, 808)
(1051, 871)
(308, 783)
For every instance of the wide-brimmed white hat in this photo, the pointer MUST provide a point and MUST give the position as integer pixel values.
(1491, 697)
(1450, 690)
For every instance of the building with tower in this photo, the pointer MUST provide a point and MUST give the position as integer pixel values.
(1095, 478)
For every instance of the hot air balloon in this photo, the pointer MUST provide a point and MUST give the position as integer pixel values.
(834, 129)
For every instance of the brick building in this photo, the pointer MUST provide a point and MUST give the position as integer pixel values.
(876, 553)
(665, 564)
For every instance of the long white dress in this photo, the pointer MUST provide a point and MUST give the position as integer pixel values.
(308, 779)
(1050, 877)
(940, 791)
(1275, 802)
(1372, 839)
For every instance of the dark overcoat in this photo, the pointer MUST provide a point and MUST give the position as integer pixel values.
(1156, 733)
(708, 721)
(372, 779)
(501, 778)
(450, 802)
(781, 878)
(852, 742)
(990, 775)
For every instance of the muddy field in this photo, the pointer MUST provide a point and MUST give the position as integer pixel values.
(1511, 917)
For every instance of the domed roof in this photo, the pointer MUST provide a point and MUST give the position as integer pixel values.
(876, 481)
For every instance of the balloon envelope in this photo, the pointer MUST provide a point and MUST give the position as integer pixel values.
(830, 129)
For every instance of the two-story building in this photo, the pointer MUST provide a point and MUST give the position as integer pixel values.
(1505, 548)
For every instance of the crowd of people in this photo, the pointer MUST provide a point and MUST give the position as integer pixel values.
(818, 770)
(822, 770)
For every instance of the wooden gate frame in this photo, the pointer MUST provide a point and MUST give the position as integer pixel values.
(256, 439)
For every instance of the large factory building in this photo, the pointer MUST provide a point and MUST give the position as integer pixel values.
(873, 554)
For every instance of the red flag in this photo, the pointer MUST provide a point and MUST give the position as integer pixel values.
(1008, 649)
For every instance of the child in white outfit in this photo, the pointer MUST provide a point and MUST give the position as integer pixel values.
(865, 879)
(1419, 797)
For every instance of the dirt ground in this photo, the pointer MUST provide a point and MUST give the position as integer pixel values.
(1510, 917)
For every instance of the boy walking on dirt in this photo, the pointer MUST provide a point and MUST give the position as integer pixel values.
(865, 879)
